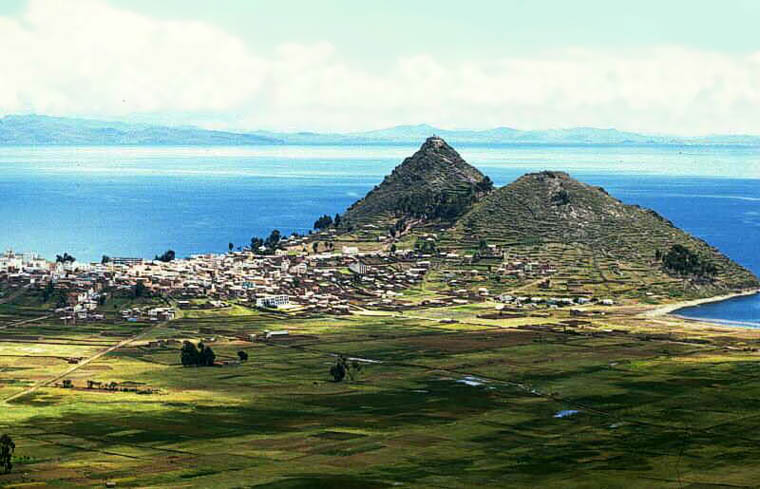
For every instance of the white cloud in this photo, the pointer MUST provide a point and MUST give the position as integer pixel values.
(88, 58)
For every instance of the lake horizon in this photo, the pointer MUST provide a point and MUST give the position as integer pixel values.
(98, 184)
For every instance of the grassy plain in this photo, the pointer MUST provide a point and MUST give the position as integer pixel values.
(615, 401)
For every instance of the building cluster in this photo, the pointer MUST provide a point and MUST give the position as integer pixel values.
(335, 281)
(330, 282)
(524, 301)
(23, 268)
(525, 269)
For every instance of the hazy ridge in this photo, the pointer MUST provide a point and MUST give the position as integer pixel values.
(33, 130)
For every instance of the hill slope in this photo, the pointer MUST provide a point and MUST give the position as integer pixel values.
(44, 130)
(433, 183)
(541, 210)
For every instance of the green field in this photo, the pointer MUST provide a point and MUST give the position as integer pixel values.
(478, 403)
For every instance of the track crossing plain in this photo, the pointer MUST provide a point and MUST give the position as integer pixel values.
(616, 399)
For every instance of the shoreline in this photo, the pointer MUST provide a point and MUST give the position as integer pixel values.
(670, 308)
(726, 323)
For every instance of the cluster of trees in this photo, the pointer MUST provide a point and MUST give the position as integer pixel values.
(166, 257)
(447, 205)
(343, 369)
(60, 295)
(48, 291)
(436, 205)
(397, 228)
(482, 250)
(326, 221)
(329, 245)
(139, 290)
(424, 246)
(561, 198)
(270, 243)
(683, 261)
(65, 258)
(484, 186)
(192, 356)
(7, 446)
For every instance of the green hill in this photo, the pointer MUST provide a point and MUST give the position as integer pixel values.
(577, 238)
(581, 228)
(435, 183)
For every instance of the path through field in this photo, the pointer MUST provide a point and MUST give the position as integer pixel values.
(50, 380)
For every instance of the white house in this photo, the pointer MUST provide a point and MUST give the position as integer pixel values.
(272, 300)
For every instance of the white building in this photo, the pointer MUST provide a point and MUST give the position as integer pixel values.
(350, 250)
(272, 300)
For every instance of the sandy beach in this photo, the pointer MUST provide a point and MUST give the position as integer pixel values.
(669, 308)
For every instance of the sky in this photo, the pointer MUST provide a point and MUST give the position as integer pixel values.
(676, 67)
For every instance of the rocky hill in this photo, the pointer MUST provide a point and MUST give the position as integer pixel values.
(582, 240)
(551, 210)
(435, 183)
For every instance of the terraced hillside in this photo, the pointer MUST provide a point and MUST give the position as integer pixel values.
(433, 183)
(549, 210)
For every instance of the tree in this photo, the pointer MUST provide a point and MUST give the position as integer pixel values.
(484, 186)
(343, 368)
(683, 261)
(48, 291)
(7, 446)
(256, 243)
(189, 354)
(62, 299)
(561, 198)
(424, 246)
(354, 370)
(393, 247)
(231, 246)
(323, 222)
(139, 290)
(243, 356)
(166, 257)
(338, 371)
(65, 258)
(105, 259)
(337, 220)
(315, 246)
(273, 240)
(206, 356)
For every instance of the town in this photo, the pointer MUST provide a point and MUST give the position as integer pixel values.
(290, 280)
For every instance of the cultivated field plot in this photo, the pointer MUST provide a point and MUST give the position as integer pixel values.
(614, 403)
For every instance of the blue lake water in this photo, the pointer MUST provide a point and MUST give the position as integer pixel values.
(140, 201)
(741, 310)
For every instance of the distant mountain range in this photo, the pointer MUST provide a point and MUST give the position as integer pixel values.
(36, 130)
(46, 130)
